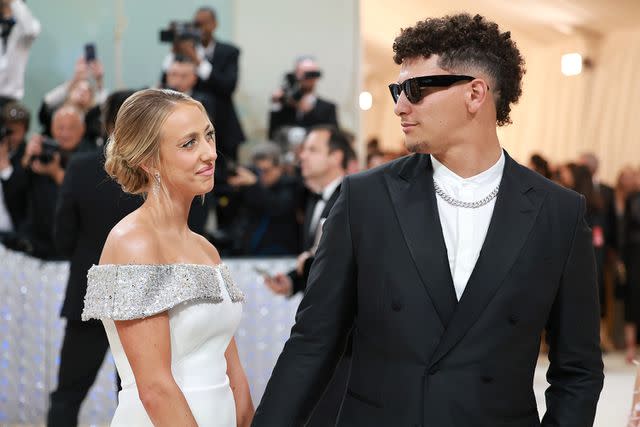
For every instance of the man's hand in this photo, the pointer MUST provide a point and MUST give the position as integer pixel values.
(33, 148)
(243, 178)
(280, 284)
(52, 169)
(302, 258)
(80, 71)
(96, 69)
(187, 48)
(4, 154)
(307, 103)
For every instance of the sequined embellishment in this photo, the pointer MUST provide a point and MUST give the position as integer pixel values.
(125, 292)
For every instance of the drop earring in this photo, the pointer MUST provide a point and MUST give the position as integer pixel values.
(156, 184)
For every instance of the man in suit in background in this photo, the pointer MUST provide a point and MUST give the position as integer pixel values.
(448, 264)
(90, 204)
(217, 69)
(323, 161)
(297, 104)
(325, 156)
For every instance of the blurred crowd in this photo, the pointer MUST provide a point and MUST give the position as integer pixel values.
(613, 213)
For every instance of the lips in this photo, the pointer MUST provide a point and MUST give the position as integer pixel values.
(406, 127)
(205, 171)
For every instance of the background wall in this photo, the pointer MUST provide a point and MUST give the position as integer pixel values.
(131, 24)
(273, 33)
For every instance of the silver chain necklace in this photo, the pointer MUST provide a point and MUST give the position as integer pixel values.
(469, 205)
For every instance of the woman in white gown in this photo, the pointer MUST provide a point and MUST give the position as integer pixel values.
(168, 305)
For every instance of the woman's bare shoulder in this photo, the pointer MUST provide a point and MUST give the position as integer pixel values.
(210, 251)
(131, 241)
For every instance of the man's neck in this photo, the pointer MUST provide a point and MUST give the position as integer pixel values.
(206, 43)
(325, 181)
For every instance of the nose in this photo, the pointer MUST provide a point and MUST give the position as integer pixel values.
(403, 106)
(209, 152)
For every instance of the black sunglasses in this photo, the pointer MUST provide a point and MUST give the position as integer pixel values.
(413, 87)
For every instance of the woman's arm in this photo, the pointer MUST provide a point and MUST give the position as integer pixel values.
(147, 341)
(239, 386)
(147, 344)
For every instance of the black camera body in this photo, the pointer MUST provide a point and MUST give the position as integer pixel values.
(4, 132)
(177, 31)
(49, 148)
(291, 87)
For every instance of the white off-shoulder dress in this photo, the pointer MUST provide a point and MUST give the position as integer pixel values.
(204, 311)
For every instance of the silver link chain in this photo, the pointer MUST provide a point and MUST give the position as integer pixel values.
(468, 205)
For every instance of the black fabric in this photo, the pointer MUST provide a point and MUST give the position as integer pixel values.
(323, 113)
(420, 357)
(83, 349)
(270, 213)
(220, 87)
(90, 204)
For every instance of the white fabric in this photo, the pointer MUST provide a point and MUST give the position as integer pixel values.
(5, 218)
(13, 60)
(465, 229)
(320, 205)
(200, 333)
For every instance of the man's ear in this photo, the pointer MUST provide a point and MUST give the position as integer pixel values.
(477, 94)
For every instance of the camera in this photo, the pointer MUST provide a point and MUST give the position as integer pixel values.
(177, 31)
(293, 91)
(49, 148)
(4, 132)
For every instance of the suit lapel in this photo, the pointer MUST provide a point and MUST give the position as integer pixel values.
(517, 206)
(411, 191)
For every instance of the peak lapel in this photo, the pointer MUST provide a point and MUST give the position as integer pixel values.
(517, 206)
(411, 191)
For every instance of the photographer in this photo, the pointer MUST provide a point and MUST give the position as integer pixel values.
(14, 122)
(217, 70)
(296, 103)
(43, 165)
(18, 30)
(84, 91)
(269, 201)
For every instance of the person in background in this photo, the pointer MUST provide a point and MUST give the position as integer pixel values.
(540, 165)
(89, 204)
(85, 91)
(44, 163)
(269, 201)
(297, 104)
(18, 30)
(14, 122)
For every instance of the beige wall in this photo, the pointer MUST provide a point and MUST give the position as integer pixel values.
(272, 33)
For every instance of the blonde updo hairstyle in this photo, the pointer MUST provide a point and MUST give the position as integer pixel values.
(135, 141)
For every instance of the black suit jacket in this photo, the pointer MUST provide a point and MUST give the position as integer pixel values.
(14, 190)
(90, 204)
(309, 237)
(419, 356)
(323, 113)
(220, 86)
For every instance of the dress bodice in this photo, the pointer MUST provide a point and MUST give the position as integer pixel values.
(202, 305)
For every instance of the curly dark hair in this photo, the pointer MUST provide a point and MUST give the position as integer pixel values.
(464, 42)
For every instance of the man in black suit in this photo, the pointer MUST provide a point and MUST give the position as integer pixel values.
(269, 204)
(448, 264)
(14, 123)
(90, 203)
(323, 162)
(217, 69)
(297, 104)
(42, 171)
